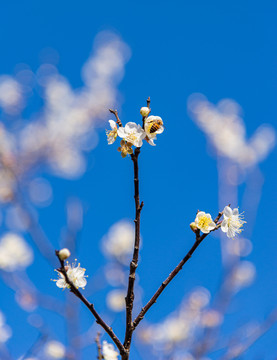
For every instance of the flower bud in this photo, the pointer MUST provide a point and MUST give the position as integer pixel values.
(64, 254)
(144, 111)
(193, 226)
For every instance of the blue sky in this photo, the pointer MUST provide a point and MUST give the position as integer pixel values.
(220, 49)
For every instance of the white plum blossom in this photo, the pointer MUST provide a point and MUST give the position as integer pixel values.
(204, 222)
(153, 125)
(109, 352)
(75, 274)
(232, 222)
(132, 133)
(112, 134)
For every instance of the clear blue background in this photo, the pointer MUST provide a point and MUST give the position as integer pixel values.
(221, 49)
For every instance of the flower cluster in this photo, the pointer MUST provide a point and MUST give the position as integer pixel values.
(75, 274)
(231, 225)
(133, 134)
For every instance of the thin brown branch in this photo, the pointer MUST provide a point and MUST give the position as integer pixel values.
(172, 275)
(134, 263)
(99, 348)
(148, 102)
(118, 121)
(90, 306)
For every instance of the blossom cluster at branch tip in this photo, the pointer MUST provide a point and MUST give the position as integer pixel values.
(133, 134)
(75, 274)
(231, 225)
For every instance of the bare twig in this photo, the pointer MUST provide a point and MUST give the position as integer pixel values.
(118, 121)
(90, 306)
(171, 276)
(148, 102)
(134, 263)
(99, 349)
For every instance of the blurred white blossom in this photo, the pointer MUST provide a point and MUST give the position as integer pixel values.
(109, 351)
(15, 253)
(119, 241)
(224, 127)
(55, 349)
(180, 326)
(116, 300)
(64, 129)
(5, 330)
(239, 246)
(10, 95)
(243, 274)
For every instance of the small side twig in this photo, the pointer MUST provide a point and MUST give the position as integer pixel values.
(118, 121)
(171, 276)
(99, 348)
(91, 308)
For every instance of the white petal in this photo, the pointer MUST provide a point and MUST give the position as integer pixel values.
(212, 225)
(142, 134)
(121, 132)
(82, 282)
(61, 283)
(130, 127)
(112, 124)
(138, 142)
(227, 211)
(151, 142)
(236, 211)
(230, 233)
(200, 213)
(111, 140)
(224, 226)
(150, 118)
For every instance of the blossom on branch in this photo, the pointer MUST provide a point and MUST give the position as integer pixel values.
(153, 125)
(75, 274)
(204, 222)
(132, 133)
(232, 222)
(112, 134)
(125, 148)
(109, 352)
(145, 111)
